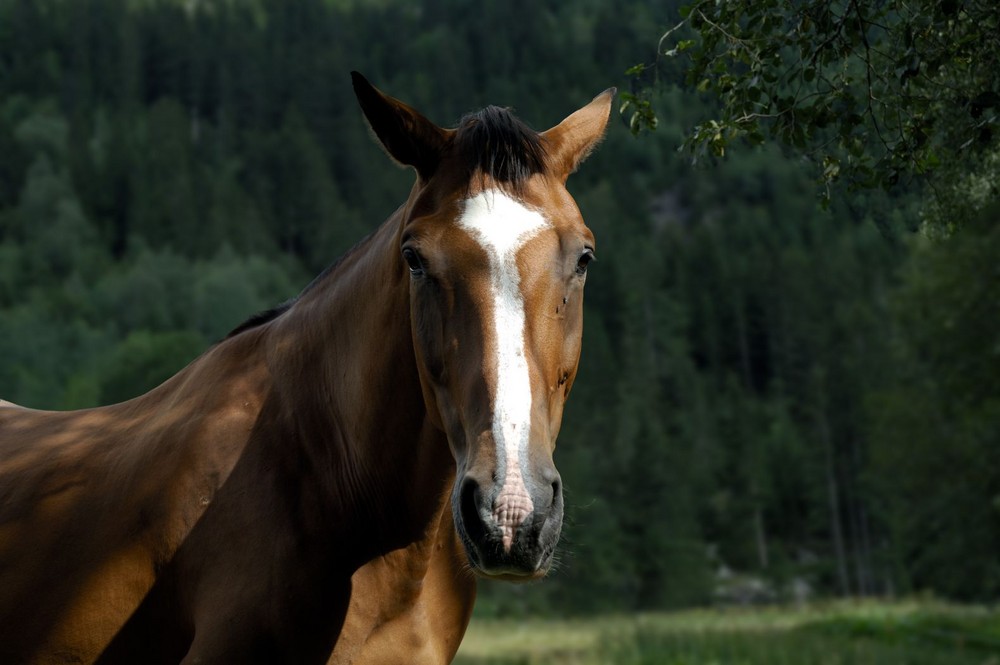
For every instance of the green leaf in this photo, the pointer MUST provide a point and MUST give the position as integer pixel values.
(831, 168)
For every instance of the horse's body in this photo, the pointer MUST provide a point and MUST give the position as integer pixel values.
(326, 479)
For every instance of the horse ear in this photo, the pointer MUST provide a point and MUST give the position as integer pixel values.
(574, 138)
(408, 137)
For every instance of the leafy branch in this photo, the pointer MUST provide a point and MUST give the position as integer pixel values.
(869, 92)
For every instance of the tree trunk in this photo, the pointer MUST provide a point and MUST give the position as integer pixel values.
(761, 536)
(832, 488)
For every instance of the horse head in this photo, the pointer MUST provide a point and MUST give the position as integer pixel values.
(496, 253)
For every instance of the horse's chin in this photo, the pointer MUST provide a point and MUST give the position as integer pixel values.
(512, 566)
(505, 574)
(512, 577)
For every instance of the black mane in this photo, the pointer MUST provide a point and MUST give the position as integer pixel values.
(494, 143)
(260, 318)
(268, 315)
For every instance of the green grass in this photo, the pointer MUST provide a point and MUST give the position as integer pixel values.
(847, 633)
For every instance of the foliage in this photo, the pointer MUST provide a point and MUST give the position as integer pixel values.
(940, 416)
(870, 92)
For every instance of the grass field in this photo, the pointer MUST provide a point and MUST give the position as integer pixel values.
(847, 633)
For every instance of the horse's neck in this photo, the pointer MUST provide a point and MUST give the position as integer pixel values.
(344, 369)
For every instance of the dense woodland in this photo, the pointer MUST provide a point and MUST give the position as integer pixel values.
(775, 398)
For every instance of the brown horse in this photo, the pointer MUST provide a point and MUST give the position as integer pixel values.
(324, 480)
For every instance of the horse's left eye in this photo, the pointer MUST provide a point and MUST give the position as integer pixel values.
(584, 261)
(413, 261)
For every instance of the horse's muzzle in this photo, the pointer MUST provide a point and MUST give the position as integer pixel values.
(509, 537)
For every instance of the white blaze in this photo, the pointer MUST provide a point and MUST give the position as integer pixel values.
(502, 225)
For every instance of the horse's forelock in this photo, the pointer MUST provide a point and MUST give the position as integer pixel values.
(496, 144)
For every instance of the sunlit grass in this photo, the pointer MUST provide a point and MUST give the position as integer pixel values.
(842, 633)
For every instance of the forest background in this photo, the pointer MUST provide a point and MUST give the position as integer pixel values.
(778, 399)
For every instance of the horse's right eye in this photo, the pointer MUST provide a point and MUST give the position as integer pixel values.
(413, 261)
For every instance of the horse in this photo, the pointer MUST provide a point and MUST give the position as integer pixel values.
(327, 483)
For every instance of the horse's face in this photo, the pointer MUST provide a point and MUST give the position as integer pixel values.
(496, 305)
(496, 271)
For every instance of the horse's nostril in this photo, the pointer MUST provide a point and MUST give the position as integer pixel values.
(552, 486)
(469, 501)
